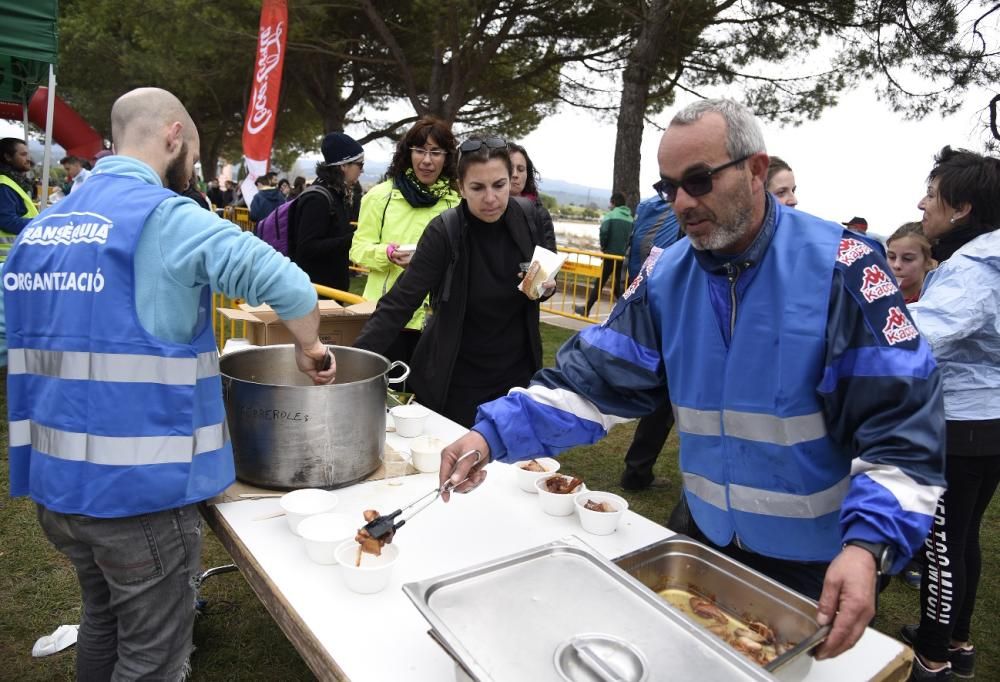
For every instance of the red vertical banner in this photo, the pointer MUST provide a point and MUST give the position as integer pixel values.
(262, 112)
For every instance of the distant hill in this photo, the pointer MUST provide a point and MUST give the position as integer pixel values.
(571, 193)
(564, 192)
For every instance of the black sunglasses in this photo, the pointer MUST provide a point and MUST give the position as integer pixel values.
(474, 145)
(696, 185)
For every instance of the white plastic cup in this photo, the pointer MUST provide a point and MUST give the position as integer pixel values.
(323, 533)
(600, 523)
(526, 479)
(409, 419)
(425, 452)
(306, 502)
(556, 504)
(373, 574)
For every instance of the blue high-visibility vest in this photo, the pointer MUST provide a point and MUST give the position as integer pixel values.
(758, 464)
(106, 420)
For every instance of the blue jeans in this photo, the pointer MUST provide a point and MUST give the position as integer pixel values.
(137, 578)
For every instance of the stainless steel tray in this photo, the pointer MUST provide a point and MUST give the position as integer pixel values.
(681, 562)
(506, 619)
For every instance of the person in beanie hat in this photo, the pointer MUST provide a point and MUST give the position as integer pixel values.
(340, 149)
(324, 217)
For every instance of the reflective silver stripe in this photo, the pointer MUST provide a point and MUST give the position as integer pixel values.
(912, 496)
(707, 490)
(126, 451)
(208, 364)
(697, 422)
(19, 433)
(6, 239)
(117, 367)
(768, 502)
(755, 426)
(567, 401)
(789, 505)
(767, 428)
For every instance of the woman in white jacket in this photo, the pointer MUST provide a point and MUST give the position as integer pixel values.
(959, 315)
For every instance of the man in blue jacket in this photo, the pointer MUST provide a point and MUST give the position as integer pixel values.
(117, 426)
(809, 409)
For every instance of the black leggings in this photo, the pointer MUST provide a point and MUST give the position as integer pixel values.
(952, 557)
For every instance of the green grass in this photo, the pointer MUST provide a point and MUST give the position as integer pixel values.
(236, 638)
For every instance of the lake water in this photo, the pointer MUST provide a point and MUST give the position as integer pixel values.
(578, 235)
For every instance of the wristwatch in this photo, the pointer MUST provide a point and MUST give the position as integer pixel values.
(882, 552)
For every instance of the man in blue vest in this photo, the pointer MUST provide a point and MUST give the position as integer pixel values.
(809, 409)
(117, 426)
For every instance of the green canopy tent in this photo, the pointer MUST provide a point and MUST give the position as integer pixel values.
(29, 51)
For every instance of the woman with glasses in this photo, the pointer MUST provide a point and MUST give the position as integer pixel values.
(322, 218)
(482, 336)
(419, 185)
(959, 315)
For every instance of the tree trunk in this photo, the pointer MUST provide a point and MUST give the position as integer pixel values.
(636, 78)
(209, 152)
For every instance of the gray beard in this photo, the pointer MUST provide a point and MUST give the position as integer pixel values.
(726, 234)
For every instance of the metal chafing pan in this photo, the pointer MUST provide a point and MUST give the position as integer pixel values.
(680, 562)
(538, 614)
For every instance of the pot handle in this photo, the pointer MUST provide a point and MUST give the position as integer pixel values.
(402, 377)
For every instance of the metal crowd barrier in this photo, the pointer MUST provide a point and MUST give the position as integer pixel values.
(239, 215)
(579, 275)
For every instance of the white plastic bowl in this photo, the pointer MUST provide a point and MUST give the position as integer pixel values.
(409, 419)
(526, 479)
(300, 504)
(556, 504)
(323, 533)
(425, 453)
(600, 523)
(374, 572)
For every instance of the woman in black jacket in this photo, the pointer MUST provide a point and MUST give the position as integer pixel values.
(323, 219)
(482, 337)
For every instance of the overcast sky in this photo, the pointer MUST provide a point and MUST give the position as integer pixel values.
(859, 159)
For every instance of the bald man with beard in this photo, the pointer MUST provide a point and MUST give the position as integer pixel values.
(117, 427)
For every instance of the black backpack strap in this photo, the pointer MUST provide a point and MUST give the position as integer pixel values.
(321, 189)
(531, 216)
(453, 231)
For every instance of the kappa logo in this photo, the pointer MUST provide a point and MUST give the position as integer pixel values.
(898, 327)
(634, 285)
(852, 250)
(644, 271)
(876, 284)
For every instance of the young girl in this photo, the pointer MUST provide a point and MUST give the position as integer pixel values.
(909, 254)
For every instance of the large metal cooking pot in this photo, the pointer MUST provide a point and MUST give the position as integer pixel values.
(289, 433)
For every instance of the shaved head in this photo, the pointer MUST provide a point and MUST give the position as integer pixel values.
(143, 113)
(152, 125)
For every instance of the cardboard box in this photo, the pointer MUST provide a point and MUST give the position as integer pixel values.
(338, 325)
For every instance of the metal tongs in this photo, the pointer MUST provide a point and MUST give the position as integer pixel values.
(385, 525)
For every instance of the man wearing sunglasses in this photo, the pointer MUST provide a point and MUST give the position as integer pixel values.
(809, 409)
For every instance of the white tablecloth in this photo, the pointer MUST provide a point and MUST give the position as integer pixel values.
(383, 637)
